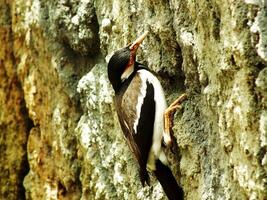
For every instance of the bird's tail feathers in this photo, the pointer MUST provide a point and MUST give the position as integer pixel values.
(168, 182)
(144, 177)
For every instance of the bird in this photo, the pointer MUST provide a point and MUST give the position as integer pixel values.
(143, 115)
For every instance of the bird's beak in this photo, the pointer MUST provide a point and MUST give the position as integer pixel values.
(134, 46)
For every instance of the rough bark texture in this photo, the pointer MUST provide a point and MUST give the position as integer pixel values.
(59, 134)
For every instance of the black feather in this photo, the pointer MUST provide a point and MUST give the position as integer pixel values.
(116, 67)
(168, 182)
(144, 135)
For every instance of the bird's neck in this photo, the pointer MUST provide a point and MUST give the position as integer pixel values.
(120, 84)
(126, 78)
(127, 72)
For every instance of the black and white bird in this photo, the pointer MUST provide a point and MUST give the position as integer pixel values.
(141, 107)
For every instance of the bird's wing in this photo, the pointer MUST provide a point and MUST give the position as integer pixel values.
(136, 112)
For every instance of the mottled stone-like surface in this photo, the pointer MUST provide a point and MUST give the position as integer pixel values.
(59, 133)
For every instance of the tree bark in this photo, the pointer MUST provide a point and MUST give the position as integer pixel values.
(59, 133)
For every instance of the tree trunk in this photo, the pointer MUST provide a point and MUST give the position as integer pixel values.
(59, 133)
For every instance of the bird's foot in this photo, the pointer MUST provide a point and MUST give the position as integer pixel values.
(168, 120)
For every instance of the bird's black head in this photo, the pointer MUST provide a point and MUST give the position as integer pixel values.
(117, 65)
(121, 64)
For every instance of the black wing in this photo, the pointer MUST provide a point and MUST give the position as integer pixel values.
(138, 134)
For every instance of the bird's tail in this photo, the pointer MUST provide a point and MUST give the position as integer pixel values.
(168, 182)
(144, 177)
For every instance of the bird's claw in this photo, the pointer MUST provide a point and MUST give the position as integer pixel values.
(168, 138)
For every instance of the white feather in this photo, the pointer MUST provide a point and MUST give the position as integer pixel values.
(140, 101)
(159, 97)
(128, 71)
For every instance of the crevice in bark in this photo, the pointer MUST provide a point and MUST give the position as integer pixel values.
(25, 167)
(18, 131)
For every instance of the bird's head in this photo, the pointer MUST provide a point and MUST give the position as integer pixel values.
(121, 64)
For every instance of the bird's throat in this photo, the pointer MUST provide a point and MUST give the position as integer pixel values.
(127, 72)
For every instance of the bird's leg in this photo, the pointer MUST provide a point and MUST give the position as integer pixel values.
(168, 119)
